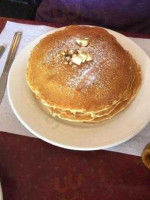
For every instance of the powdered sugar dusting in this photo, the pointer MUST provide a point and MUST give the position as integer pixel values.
(88, 73)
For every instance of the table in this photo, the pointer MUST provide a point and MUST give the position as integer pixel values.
(31, 169)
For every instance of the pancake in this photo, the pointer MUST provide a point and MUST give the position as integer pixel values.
(85, 117)
(83, 74)
(104, 115)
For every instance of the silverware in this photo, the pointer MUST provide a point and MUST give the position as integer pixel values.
(2, 48)
(10, 58)
(1, 193)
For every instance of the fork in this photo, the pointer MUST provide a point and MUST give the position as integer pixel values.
(9, 61)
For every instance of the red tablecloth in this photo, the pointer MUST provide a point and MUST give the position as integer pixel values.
(31, 169)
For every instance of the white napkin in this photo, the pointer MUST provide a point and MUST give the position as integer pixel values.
(8, 121)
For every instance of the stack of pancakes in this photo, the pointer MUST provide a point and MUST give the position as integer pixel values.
(82, 74)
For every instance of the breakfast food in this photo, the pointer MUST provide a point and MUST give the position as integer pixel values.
(82, 74)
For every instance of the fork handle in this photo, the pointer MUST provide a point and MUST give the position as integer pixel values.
(10, 58)
(12, 51)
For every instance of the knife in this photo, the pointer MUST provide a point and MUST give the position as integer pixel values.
(2, 48)
(10, 58)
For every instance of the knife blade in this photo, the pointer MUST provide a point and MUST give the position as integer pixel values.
(2, 48)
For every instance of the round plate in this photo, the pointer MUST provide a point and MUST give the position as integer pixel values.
(79, 136)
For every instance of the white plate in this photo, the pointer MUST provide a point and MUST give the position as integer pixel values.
(73, 135)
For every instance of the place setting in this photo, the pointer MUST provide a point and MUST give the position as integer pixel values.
(68, 135)
(73, 133)
(79, 87)
(74, 100)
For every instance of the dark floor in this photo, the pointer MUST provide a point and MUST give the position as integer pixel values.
(20, 9)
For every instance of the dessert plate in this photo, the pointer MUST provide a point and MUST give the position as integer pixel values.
(79, 136)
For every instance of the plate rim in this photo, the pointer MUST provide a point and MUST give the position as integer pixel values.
(60, 144)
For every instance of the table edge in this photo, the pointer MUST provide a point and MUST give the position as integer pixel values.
(3, 21)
